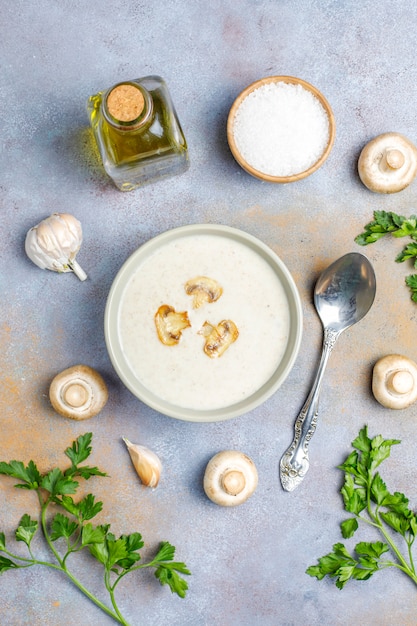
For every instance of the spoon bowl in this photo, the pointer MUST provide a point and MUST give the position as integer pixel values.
(343, 295)
(345, 291)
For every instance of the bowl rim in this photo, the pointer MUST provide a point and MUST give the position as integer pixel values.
(115, 351)
(268, 177)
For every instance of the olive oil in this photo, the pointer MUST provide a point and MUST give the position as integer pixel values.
(138, 133)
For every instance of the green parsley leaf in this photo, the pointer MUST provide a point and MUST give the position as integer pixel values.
(399, 226)
(168, 576)
(62, 526)
(85, 472)
(85, 509)
(362, 441)
(93, 534)
(117, 556)
(397, 522)
(379, 490)
(349, 527)
(166, 552)
(133, 543)
(411, 282)
(372, 550)
(116, 549)
(80, 449)
(366, 496)
(57, 484)
(69, 505)
(409, 252)
(168, 570)
(26, 530)
(398, 503)
(354, 498)
(382, 224)
(6, 564)
(29, 474)
(99, 551)
(89, 508)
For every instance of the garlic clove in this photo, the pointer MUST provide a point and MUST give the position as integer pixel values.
(54, 243)
(146, 463)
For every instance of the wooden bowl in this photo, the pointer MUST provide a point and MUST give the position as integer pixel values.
(268, 177)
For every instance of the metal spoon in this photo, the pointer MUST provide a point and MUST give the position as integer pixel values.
(343, 295)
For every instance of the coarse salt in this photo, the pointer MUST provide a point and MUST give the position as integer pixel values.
(281, 129)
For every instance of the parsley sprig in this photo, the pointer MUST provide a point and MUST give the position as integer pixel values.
(367, 498)
(387, 222)
(73, 531)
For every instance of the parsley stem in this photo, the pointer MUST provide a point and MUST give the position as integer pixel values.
(402, 563)
(63, 568)
(111, 589)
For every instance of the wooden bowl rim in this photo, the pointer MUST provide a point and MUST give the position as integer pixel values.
(268, 177)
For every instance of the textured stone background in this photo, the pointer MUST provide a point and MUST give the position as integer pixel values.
(248, 563)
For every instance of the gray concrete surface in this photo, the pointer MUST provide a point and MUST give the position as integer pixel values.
(248, 564)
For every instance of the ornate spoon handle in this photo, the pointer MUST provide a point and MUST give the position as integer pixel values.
(295, 462)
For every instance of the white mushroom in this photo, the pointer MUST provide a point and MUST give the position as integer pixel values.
(78, 392)
(388, 163)
(230, 478)
(394, 381)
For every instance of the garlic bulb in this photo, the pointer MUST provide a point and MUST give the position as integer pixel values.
(146, 463)
(53, 244)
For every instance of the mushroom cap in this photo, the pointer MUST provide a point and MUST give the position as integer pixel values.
(388, 163)
(394, 381)
(78, 392)
(230, 478)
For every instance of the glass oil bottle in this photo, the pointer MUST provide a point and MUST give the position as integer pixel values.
(138, 133)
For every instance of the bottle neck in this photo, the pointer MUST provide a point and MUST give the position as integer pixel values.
(127, 106)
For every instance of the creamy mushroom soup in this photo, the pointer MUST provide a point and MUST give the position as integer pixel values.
(252, 298)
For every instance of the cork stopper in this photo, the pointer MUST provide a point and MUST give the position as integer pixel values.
(125, 103)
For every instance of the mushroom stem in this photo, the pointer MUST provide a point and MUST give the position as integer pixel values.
(395, 158)
(75, 395)
(77, 269)
(233, 482)
(400, 382)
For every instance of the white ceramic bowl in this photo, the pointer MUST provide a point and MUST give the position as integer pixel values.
(120, 329)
